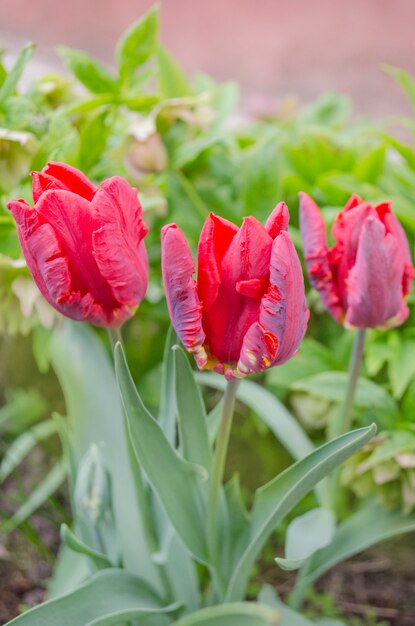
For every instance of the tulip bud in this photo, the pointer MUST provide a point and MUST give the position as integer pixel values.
(16, 152)
(247, 311)
(92, 493)
(84, 245)
(148, 155)
(364, 278)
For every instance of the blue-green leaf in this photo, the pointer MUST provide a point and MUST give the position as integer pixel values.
(191, 413)
(45, 488)
(305, 535)
(233, 614)
(167, 409)
(74, 543)
(280, 421)
(277, 498)
(370, 525)
(178, 484)
(95, 415)
(109, 598)
(21, 446)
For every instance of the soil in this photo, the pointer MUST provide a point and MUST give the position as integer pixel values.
(377, 584)
(23, 570)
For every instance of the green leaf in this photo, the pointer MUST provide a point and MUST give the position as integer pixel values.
(38, 496)
(369, 526)
(10, 83)
(78, 546)
(401, 366)
(3, 72)
(277, 498)
(405, 80)
(21, 446)
(177, 483)
(88, 71)
(332, 386)
(93, 139)
(232, 614)
(109, 598)
(138, 44)
(312, 358)
(23, 407)
(191, 413)
(261, 184)
(172, 79)
(143, 102)
(370, 167)
(305, 535)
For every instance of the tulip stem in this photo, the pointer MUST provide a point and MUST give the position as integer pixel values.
(115, 336)
(354, 371)
(218, 466)
(344, 421)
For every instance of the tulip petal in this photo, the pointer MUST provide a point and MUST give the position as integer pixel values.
(62, 176)
(352, 202)
(283, 313)
(316, 255)
(215, 238)
(393, 226)
(258, 351)
(228, 319)
(181, 292)
(42, 252)
(375, 282)
(118, 243)
(278, 220)
(74, 224)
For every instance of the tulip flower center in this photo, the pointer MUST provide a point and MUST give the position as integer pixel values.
(227, 321)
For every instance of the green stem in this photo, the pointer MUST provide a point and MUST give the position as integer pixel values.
(218, 468)
(115, 336)
(354, 371)
(344, 422)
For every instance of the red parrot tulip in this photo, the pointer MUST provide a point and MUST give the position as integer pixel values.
(84, 245)
(247, 311)
(364, 278)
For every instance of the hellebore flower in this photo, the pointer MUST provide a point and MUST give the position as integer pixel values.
(247, 311)
(84, 245)
(364, 278)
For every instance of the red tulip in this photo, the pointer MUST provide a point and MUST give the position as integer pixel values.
(84, 244)
(247, 311)
(364, 278)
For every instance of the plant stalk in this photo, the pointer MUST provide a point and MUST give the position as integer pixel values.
(115, 336)
(218, 467)
(344, 423)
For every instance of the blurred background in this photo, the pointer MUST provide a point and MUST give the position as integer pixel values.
(270, 47)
